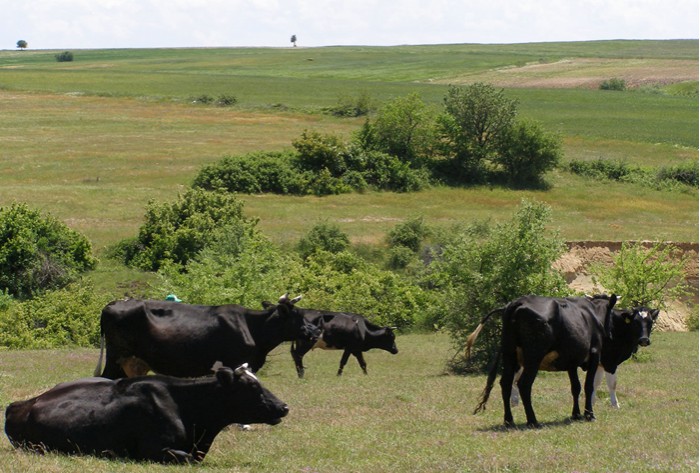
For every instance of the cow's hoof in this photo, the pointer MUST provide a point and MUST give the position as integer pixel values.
(576, 417)
(590, 417)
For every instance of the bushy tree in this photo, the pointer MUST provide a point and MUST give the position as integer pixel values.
(22, 44)
(475, 117)
(641, 276)
(323, 236)
(65, 56)
(404, 127)
(177, 231)
(485, 266)
(38, 252)
(526, 152)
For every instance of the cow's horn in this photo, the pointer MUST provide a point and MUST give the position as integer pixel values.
(296, 299)
(284, 298)
(241, 369)
(217, 366)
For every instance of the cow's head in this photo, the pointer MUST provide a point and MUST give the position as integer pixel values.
(635, 324)
(386, 340)
(292, 323)
(246, 401)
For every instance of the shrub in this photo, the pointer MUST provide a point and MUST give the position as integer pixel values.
(203, 99)
(350, 107)
(409, 234)
(317, 151)
(323, 236)
(67, 317)
(686, 173)
(65, 56)
(486, 266)
(526, 152)
(38, 252)
(176, 232)
(254, 173)
(239, 266)
(649, 277)
(613, 84)
(226, 100)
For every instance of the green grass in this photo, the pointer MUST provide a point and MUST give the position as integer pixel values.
(407, 415)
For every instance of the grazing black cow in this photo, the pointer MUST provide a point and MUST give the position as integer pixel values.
(627, 324)
(149, 418)
(185, 340)
(553, 334)
(352, 333)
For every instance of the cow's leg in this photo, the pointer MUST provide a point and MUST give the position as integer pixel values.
(361, 361)
(515, 394)
(509, 364)
(527, 379)
(343, 361)
(611, 379)
(298, 352)
(589, 389)
(575, 393)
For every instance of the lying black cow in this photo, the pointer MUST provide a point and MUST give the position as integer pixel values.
(149, 418)
(185, 340)
(635, 320)
(553, 334)
(352, 333)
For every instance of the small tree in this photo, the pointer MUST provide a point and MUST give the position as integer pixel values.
(65, 56)
(323, 236)
(22, 44)
(486, 266)
(648, 277)
(526, 152)
(402, 128)
(39, 253)
(293, 40)
(475, 117)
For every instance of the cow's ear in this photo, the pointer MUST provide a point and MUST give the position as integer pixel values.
(654, 314)
(225, 376)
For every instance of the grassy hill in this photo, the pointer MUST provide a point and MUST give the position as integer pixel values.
(94, 139)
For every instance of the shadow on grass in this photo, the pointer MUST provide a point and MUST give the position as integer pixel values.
(523, 427)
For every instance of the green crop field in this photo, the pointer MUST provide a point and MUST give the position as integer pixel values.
(407, 415)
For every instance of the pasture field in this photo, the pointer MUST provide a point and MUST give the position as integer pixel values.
(93, 140)
(407, 415)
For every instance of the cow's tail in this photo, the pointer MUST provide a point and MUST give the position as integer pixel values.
(472, 338)
(493, 371)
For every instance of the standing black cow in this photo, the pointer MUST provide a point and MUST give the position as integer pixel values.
(185, 340)
(153, 418)
(627, 325)
(553, 334)
(352, 333)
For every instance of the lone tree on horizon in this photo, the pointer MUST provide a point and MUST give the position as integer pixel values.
(293, 40)
(22, 44)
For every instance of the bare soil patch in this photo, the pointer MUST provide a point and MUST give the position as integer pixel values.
(588, 73)
(575, 265)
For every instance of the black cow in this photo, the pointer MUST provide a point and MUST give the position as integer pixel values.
(352, 333)
(149, 418)
(185, 340)
(553, 334)
(626, 324)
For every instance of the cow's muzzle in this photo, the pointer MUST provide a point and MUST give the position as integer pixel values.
(644, 342)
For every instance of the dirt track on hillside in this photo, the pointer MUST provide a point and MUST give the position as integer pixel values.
(575, 265)
(587, 73)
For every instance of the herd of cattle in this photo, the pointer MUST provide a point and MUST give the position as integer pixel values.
(175, 415)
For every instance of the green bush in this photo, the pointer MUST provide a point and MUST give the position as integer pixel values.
(409, 234)
(686, 173)
(641, 276)
(177, 231)
(65, 56)
(226, 100)
(38, 252)
(66, 317)
(239, 266)
(483, 267)
(348, 106)
(613, 84)
(254, 173)
(323, 236)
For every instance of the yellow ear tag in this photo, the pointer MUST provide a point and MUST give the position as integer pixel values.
(628, 321)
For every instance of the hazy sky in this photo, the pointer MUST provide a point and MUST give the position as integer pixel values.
(76, 24)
